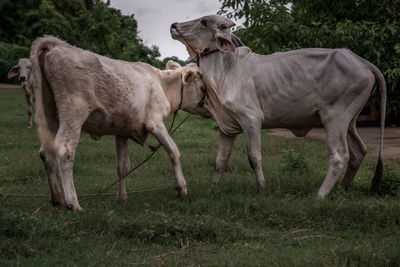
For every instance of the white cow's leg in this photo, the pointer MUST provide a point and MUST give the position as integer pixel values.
(338, 155)
(67, 140)
(357, 152)
(29, 107)
(161, 133)
(50, 165)
(253, 143)
(121, 145)
(225, 144)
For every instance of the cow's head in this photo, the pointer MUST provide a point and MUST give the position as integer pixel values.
(193, 89)
(208, 32)
(23, 68)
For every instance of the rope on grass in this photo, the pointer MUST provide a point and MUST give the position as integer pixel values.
(4, 196)
(102, 192)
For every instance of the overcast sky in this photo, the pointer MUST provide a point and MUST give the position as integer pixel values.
(154, 18)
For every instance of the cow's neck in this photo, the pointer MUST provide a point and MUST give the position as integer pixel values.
(215, 67)
(172, 82)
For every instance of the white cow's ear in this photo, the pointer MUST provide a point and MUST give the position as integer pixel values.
(13, 72)
(187, 76)
(172, 65)
(224, 43)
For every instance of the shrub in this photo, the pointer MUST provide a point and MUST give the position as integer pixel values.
(9, 55)
(391, 180)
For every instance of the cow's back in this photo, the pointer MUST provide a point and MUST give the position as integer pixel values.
(118, 93)
(290, 88)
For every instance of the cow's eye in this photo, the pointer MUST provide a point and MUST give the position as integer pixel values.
(224, 26)
(203, 22)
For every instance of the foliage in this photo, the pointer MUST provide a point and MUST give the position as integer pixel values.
(9, 54)
(391, 180)
(89, 24)
(294, 161)
(286, 225)
(369, 28)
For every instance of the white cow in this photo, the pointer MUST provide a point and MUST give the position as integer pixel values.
(296, 90)
(23, 68)
(77, 90)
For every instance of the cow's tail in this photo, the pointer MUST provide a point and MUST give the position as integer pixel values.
(46, 110)
(380, 82)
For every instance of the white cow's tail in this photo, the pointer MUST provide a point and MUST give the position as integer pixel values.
(45, 103)
(380, 81)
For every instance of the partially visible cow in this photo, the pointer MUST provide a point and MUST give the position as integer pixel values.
(77, 90)
(23, 68)
(297, 90)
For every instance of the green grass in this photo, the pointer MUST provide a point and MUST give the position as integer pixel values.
(235, 225)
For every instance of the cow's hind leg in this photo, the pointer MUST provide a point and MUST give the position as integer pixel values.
(161, 133)
(357, 152)
(253, 142)
(50, 165)
(338, 154)
(67, 139)
(121, 145)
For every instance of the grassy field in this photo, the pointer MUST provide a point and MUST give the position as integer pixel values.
(235, 225)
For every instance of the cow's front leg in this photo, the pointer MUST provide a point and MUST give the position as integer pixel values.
(253, 142)
(225, 144)
(121, 145)
(161, 133)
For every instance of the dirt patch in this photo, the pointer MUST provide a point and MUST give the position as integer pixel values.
(370, 136)
(9, 86)
(5, 86)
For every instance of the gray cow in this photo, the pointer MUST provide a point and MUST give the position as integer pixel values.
(23, 68)
(297, 90)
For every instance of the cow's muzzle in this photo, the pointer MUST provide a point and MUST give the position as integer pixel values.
(174, 30)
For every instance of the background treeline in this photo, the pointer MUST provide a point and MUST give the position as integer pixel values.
(88, 24)
(370, 28)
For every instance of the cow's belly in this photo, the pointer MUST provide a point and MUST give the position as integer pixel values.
(100, 123)
(292, 119)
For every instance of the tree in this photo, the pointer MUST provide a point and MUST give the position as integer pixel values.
(369, 28)
(89, 24)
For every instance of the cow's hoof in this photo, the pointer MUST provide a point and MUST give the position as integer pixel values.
(181, 191)
(78, 209)
(261, 188)
(122, 198)
(211, 190)
(74, 207)
(321, 195)
(57, 202)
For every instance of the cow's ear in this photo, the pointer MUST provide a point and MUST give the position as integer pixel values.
(236, 41)
(224, 43)
(188, 76)
(13, 72)
(172, 65)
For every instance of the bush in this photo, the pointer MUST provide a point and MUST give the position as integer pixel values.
(294, 162)
(9, 55)
(391, 181)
